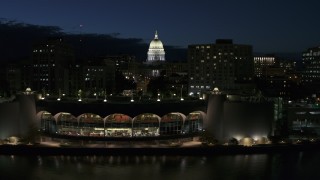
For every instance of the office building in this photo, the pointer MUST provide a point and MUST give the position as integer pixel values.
(51, 61)
(261, 62)
(311, 69)
(224, 65)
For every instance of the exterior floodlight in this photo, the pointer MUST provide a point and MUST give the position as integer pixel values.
(58, 99)
(182, 99)
(104, 100)
(158, 99)
(79, 100)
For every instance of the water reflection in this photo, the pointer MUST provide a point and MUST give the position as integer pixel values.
(260, 166)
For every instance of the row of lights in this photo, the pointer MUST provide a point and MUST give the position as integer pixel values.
(105, 98)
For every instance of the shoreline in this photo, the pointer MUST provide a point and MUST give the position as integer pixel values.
(171, 151)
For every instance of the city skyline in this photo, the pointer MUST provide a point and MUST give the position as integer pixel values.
(270, 27)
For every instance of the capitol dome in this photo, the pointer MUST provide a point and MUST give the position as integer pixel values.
(156, 50)
(156, 43)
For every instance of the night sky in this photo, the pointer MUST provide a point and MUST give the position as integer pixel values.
(270, 26)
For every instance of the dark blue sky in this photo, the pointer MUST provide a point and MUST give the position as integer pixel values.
(270, 26)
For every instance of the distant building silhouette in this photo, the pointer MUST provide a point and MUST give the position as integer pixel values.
(98, 76)
(261, 62)
(126, 64)
(13, 76)
(275, 77)
(224, 65)
(311, 69)
(51, 62)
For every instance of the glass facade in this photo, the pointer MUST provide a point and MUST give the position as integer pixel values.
(91, 125)
(171, 124)
(146, 125)
(120, 125)
(194, 122)
(47, 122)
(67, 124)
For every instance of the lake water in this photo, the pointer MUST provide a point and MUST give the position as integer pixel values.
(303, 165)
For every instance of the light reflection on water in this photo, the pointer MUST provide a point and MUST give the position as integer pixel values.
(258, 166)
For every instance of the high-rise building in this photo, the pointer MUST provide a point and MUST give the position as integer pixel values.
(224, 65)
(13, 76)
(99, 76)
(126, 64)
(311, 71)
(156, 51)
(261, 62)
(276, 76)
(51, 62)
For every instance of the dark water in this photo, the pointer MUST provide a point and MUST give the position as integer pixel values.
(260, 166)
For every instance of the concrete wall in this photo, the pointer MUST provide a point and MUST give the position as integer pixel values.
(215, 115)
(238, 119)
(27, 113)
(247, 119)
(9, 119)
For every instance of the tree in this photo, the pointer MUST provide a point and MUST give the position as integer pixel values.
(123, 83)
(158, 84)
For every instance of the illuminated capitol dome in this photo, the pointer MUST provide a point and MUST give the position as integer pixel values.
(156, 51)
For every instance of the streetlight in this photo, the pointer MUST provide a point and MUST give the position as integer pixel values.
(158, 96)
(59, 97)
(79, 95)
(199, 95)
(105, 96)
(181, 98)
(132, 100)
